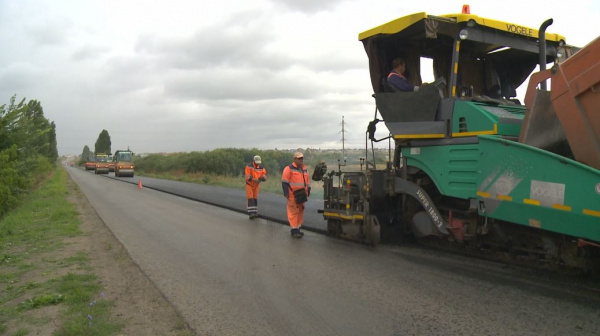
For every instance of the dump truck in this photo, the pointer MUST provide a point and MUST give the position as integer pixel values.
(124, 166)
(471, 166)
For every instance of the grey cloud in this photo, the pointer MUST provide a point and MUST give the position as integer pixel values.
(307, 6)
(214, 47)
(88, 52)
(49, 32)
(18, 78)
(243, 84)
(120, 76)
(333, 62)
(288, 124)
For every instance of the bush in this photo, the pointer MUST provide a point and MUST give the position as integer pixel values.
(11, 182)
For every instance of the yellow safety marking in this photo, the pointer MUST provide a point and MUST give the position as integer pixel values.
(453, 91)
(531, 201)
(591, 212)
(536, 202)
(483, 194)
(457, 45)
(455, 67)
(347, 206)
(488, 132)
(504, 197)
(561, 207)
(333, 214)
(418, 136)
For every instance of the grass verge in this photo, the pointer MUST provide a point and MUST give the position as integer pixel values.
(43, 288)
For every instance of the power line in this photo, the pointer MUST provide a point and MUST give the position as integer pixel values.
(343, 138)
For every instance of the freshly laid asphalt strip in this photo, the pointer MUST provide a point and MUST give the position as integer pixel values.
(270, 206)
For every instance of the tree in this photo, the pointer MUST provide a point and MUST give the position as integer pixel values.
(50, 148)
(86, 153)
(103, 143)
(27, 148)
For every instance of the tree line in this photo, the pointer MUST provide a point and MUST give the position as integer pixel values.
(222, 161)
(28, 149)
(232, 161)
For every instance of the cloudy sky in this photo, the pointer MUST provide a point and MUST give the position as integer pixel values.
(194, 75)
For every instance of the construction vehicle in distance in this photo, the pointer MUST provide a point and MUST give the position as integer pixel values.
(111, 164)
(471, 167)
(101, 166)
(90, 163)
(124, 166)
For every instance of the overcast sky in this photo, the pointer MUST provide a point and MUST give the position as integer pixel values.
(179, 76)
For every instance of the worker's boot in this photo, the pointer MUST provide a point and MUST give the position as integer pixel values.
(296, 233)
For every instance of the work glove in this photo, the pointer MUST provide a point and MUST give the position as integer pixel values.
(250, 179)
(263, 178)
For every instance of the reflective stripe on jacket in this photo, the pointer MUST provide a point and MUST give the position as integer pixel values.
(294, 178)
(399, 82)
(255, 171)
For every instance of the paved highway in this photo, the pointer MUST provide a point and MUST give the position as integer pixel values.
(271, 206)
(228, 275)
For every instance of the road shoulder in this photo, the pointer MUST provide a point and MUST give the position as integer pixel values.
(137, 302)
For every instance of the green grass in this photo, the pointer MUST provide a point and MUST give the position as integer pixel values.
(30, 237)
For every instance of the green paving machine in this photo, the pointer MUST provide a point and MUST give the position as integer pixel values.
(471, 165)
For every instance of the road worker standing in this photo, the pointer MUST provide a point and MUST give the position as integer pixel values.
(296, 188)
(254, 174)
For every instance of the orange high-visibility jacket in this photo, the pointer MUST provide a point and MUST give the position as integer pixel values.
(255, 171)
(294, 178)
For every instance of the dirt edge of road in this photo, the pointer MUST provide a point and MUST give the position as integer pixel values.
(138, 303)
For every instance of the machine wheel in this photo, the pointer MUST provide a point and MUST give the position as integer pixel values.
(372, 230)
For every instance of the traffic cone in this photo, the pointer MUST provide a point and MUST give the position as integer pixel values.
(140, 184)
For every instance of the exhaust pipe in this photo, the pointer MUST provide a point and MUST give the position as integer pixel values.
(542, 39)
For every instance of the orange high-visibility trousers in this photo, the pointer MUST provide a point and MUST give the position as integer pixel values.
(252, 190)
(252, 197)
(295, 212)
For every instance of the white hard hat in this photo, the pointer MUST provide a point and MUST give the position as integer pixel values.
(257, 159)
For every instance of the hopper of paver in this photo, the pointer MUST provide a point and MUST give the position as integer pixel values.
(566, 120)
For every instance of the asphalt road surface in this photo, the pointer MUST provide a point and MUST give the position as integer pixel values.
(271, 206)
(229, 275)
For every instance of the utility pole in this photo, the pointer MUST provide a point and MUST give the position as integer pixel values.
(343, 139)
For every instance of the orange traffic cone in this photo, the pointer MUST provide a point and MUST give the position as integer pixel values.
(140, 184)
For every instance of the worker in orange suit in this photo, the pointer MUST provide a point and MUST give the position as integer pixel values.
(296, 188)
(254, 174)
